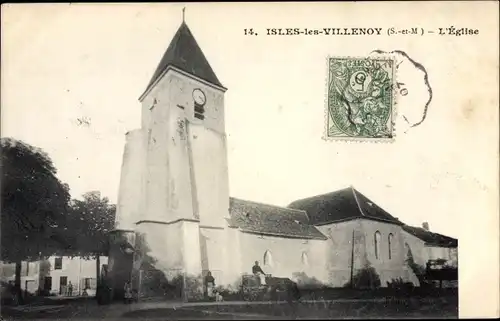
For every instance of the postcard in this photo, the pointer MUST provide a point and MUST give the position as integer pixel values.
(250, 160)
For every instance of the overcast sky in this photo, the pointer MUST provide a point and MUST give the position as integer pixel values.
(67, 62)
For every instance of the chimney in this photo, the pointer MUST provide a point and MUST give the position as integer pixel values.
(425, 226)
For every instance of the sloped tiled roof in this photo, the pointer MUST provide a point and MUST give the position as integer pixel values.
(266, 219)
(342, 205)
(431, 238)
(185, 54)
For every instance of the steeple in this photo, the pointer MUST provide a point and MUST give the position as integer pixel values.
(185, 54)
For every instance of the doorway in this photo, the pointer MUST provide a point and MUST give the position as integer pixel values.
(47, 283)
(63, 282)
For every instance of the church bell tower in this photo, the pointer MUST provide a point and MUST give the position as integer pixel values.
(180, 192)
(183, 115)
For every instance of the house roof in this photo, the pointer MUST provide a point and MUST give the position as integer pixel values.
(266, 219)
(185, 54)
(342, 205)
(431, 238)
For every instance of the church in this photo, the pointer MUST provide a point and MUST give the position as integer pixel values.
(175, 218)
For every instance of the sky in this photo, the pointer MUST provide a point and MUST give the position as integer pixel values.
(72, 76)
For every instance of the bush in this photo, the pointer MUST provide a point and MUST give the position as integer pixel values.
(193, 287)
(305, 282)
(228, 293)
(154, 284)
(400, 284)
(365, 278)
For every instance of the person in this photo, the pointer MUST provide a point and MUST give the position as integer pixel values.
(13, 292)
(127, 292)
(70, 289)
(257, 271)
(209, 284)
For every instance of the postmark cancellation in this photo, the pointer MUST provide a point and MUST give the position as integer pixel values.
(360, 101)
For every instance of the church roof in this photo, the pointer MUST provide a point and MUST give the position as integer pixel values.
(266, 219)
(185, 54)
(342, 205)
(431, 238)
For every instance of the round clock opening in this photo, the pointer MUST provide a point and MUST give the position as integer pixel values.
(199, 97)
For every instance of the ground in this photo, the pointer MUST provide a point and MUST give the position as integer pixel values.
(445, 307)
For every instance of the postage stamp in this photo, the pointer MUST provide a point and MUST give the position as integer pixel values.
(360, 102)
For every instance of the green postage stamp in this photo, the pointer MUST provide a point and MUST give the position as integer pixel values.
(360, 101)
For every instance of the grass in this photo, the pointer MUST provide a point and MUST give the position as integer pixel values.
(437, 305)
(59, 309)
(173, 314)
(346, 293)
(331, 310)
(345, 309)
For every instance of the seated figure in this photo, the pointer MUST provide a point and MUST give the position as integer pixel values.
(257, 271)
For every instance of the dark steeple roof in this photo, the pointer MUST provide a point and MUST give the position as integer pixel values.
(185, 54)
(343, 205)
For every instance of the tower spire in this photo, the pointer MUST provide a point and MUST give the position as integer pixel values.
(184, 53)
(183, 14)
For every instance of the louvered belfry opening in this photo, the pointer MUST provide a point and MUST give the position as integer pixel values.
(199, 111)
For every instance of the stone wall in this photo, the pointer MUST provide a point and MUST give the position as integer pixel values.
(284, 256)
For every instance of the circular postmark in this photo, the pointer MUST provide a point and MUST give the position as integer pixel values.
(412, 89)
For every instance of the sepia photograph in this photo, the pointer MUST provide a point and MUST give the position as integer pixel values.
(181, 161)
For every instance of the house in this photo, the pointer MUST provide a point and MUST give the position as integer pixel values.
(423, 246)
(53, 275)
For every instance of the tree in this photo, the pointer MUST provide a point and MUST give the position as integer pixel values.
(91, 219)
(417, 269)
(34, 205)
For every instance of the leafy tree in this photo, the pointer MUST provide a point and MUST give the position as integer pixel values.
(91, 219)
(34, 205)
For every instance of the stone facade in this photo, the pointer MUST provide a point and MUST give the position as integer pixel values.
(176, 221)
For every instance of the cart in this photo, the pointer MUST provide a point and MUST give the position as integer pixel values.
(252, 289)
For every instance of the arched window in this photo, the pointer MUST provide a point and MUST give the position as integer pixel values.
(305, 259)
(377, 245)
(268, 258)
(389, 241)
